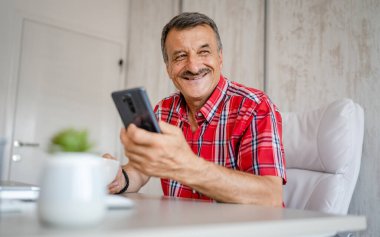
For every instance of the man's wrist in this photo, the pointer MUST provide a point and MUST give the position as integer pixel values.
(194, 172)
(126, 182)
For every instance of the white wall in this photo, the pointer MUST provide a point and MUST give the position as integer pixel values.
(145, 66)
(241, 28)
(101, 18)
(5, 59)
(319, 51)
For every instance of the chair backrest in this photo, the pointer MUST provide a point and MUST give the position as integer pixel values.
(323, 150)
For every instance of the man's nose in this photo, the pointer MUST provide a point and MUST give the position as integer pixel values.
(194, 64)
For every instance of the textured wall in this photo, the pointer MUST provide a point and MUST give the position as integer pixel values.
(323, 50)
(5, 62)
(241, 28)
(145, 66)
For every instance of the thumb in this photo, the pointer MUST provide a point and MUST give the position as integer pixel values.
(108, 156)
(167, 128)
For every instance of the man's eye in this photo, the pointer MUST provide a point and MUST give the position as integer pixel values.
(180, 57)
(204, 52)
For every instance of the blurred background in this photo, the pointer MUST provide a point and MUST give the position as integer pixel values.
(60, 60)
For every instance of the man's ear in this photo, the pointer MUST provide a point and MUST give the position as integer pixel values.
(168, 71)
(167, 68)
(221, 58)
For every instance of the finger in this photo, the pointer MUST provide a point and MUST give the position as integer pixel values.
(108, 156)
(123, 136)
(114, 190)
(133, 149)
(114, 183)
(117, 184)
(113, 187)
(167, 128)
(140, 136)
(125, 139)
(136, 158)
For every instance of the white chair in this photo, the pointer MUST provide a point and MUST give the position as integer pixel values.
(323, 150)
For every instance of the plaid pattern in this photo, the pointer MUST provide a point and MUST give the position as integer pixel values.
(239, 128)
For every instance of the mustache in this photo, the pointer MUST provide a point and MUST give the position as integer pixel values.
(190, 74)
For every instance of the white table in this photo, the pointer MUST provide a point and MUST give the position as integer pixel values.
(160, 216)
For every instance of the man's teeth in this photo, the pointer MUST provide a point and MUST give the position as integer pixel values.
(196, 77)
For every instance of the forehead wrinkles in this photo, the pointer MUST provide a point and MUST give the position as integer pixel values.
(192, 38)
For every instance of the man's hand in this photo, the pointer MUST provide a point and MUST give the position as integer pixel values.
(167, 155)
(119, 182)
(164, 155)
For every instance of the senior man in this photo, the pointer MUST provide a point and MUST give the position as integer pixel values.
(220, 140)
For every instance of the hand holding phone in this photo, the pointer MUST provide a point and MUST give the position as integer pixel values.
(134, 107)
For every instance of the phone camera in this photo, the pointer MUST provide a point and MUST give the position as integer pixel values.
(128, 100)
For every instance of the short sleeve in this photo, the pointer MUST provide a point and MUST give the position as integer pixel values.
(261, 149)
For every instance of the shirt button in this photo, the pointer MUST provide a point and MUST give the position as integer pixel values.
(199, 114)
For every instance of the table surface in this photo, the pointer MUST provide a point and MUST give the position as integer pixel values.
(162, 216)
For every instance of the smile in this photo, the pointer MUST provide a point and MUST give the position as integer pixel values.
(195, 77)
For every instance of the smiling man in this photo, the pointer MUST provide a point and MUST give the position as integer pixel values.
(220, 140)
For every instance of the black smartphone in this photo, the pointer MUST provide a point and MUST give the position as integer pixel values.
(134, 107)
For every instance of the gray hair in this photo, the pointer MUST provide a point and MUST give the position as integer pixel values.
(188, 20)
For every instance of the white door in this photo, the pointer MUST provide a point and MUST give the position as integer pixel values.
(64, 81)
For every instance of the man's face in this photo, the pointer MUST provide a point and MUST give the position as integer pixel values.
(194, 61)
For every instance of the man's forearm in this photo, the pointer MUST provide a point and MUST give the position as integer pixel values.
(226, 185)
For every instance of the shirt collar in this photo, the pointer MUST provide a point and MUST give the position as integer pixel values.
(209, 109)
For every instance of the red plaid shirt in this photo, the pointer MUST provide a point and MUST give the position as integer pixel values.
(239, 128)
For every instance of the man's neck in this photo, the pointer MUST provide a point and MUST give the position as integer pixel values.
(194, 107)
(193, 121)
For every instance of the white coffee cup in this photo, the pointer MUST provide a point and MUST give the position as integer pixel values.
(73, 190)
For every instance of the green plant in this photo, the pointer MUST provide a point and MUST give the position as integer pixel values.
(70, 140)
